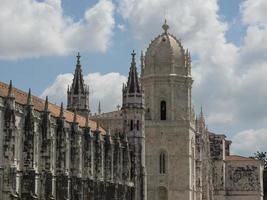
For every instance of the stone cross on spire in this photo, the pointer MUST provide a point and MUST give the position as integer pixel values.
(133, 56)
(78, 58)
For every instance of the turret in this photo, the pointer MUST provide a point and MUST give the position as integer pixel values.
(78, 93)
(133, 127)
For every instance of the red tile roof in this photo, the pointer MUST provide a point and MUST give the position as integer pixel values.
(21, 98)
(238, 158)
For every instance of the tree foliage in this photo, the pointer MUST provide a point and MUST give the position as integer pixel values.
(261, 156)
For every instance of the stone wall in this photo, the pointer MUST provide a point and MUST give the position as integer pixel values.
(244, 180)
(46, 157)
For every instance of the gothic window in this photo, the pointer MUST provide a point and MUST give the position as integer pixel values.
(137, 125)
(163, 111)
(131, 125)
(162, 163)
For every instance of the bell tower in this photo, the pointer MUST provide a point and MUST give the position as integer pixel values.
(169, 128)
(78, 93)
(133, 128)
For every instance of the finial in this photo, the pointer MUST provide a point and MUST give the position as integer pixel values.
(29, 100)
(133, 56)
(99, 107)
(61, 110)
(78, 58)
(46, 104)
(165, 26)
(118, 107)
(10, 87)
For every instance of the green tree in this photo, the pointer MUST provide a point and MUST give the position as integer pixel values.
(261, 156)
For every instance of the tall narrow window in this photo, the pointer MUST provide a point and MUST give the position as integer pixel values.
(162, 163)
(131, 125)
(137, 125)
(163, 110)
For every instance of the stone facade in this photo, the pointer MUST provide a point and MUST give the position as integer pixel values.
(153, 148)
(51, 153)
(184, 160)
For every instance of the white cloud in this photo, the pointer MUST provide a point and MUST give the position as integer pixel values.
(249, 142)
(30, 28)
(229, 80)
(121, 27)
(202, 31)
(103, 87)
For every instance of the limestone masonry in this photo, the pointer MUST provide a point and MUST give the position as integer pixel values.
(153, 148)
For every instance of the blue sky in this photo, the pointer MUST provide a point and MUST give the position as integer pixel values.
(116, 59)
(227, 39)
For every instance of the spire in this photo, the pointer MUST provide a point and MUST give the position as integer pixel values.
(133, 84)
(201, 117)
(165, 27)
(10, 89)
(61, 115)
(46, 104)
(78, 84)
(29, 100)
(99, 107)
(78, 92)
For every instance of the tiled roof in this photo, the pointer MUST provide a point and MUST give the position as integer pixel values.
(238, 158)
(21, 98)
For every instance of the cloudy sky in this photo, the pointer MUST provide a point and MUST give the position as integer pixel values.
(227, 38)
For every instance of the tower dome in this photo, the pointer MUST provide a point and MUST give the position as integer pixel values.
(166, 55)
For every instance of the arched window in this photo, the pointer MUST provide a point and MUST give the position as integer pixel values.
(163, 110)
(131, 125)
(162, 163)
(137, 125)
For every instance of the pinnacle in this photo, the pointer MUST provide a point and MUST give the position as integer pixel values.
(46, 104)
(29, 100)
(61, 110)
(10, 88)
